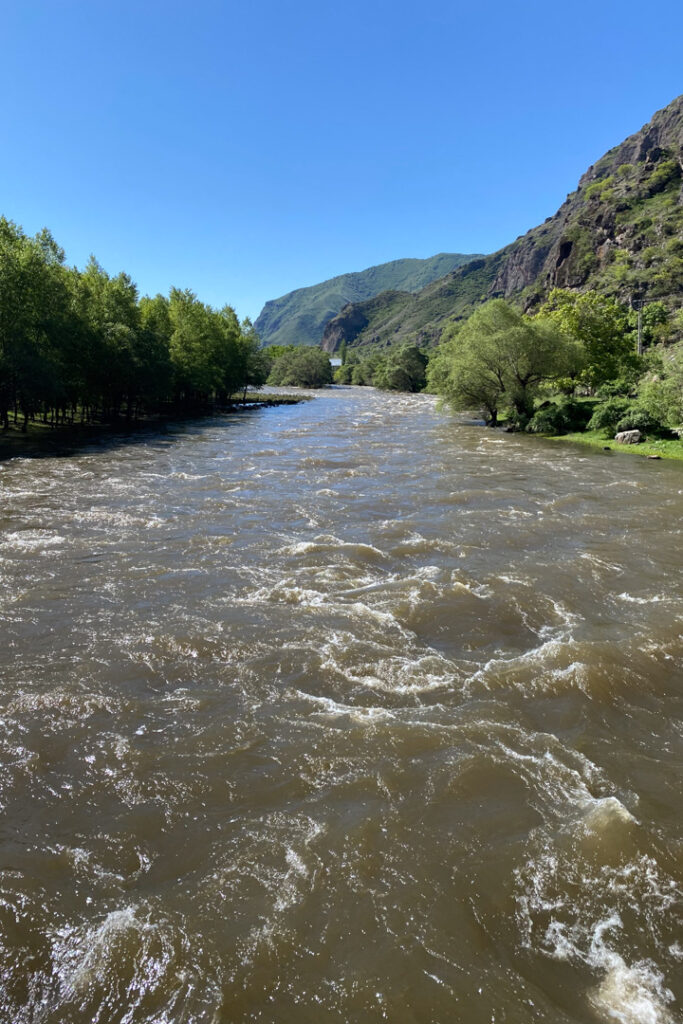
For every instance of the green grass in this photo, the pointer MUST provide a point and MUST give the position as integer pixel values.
(596, 439)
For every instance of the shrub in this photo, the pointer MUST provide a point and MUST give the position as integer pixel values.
(608, 414)
(637, 418)
(559, 418)
(343, 374)
(551, 419)
(302, 367)
(664, 174)
(621, 387)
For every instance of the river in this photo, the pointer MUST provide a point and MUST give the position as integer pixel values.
(340, 712)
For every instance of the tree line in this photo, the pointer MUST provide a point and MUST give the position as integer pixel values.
(83, 346)
(573, 365)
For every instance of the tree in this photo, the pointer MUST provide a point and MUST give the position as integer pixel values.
(302, 367)
(501, 356)
(661, 394)
(601, 325)
(254, 363)
(34, 314)
(403, 370)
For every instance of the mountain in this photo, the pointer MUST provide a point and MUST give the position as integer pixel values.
(299, 317)
(620, 232)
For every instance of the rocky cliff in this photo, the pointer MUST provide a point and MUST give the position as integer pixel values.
(620, 232)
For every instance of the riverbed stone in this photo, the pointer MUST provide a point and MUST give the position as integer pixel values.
(628, 437)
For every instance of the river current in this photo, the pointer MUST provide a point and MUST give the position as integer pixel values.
(340, 712)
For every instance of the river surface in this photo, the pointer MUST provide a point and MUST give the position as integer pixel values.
(340, 712)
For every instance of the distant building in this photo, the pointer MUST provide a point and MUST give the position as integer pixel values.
(335, 362)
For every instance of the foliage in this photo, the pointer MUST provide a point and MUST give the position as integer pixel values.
(607, 414)
(83, 342)
(665, 173)
(404, 369)
(302, 368)
(654, 321)
(661, 395)
(600, 188)
(551, 419)
(600, 325)
(499, 356)
(638, 418)
(559, 417)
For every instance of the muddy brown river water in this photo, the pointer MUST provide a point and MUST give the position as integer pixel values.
(340, 712)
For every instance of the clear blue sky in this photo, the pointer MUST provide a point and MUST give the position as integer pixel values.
(246, 149)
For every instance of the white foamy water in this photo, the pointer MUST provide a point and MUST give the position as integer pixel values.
(340, 712)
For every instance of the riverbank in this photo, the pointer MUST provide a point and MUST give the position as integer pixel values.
(595, 439)
(40, 439)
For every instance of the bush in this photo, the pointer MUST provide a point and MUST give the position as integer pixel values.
(343, 374)
(517, 419)
(662, 395)
(579, 414)
(551, 419)
(608, 414)
(664, 174)
(302, 368)
(638, 418)
(560, 418)
(622, 387)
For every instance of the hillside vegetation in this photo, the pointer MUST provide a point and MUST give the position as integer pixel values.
(620, 233)
(299, 317)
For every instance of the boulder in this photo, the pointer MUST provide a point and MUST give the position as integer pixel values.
(628, 437)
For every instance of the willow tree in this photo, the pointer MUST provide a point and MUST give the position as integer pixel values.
(502, 357)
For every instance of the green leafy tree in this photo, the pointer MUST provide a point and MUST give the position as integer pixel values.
(83, 340)
(34, 314)
(654, 322)
(502, 357)
(303, 367)
(254, 364)
(661, 394)
(194, 346)
(403, 370)
(601, 326)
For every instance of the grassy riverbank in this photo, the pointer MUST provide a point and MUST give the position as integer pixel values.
(42, 439)
(595, 439)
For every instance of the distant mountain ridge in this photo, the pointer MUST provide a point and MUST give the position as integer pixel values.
(620, 232)
(299, 317)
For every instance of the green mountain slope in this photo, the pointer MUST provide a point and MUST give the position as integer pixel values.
(620, 232)
(299, 317)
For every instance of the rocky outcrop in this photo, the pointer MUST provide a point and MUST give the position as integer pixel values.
(344, 327)
(614, 233)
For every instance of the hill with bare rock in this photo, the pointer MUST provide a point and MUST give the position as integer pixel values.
(299, 317)
(620, 232)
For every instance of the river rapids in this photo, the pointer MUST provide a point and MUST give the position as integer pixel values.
(340, 712)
